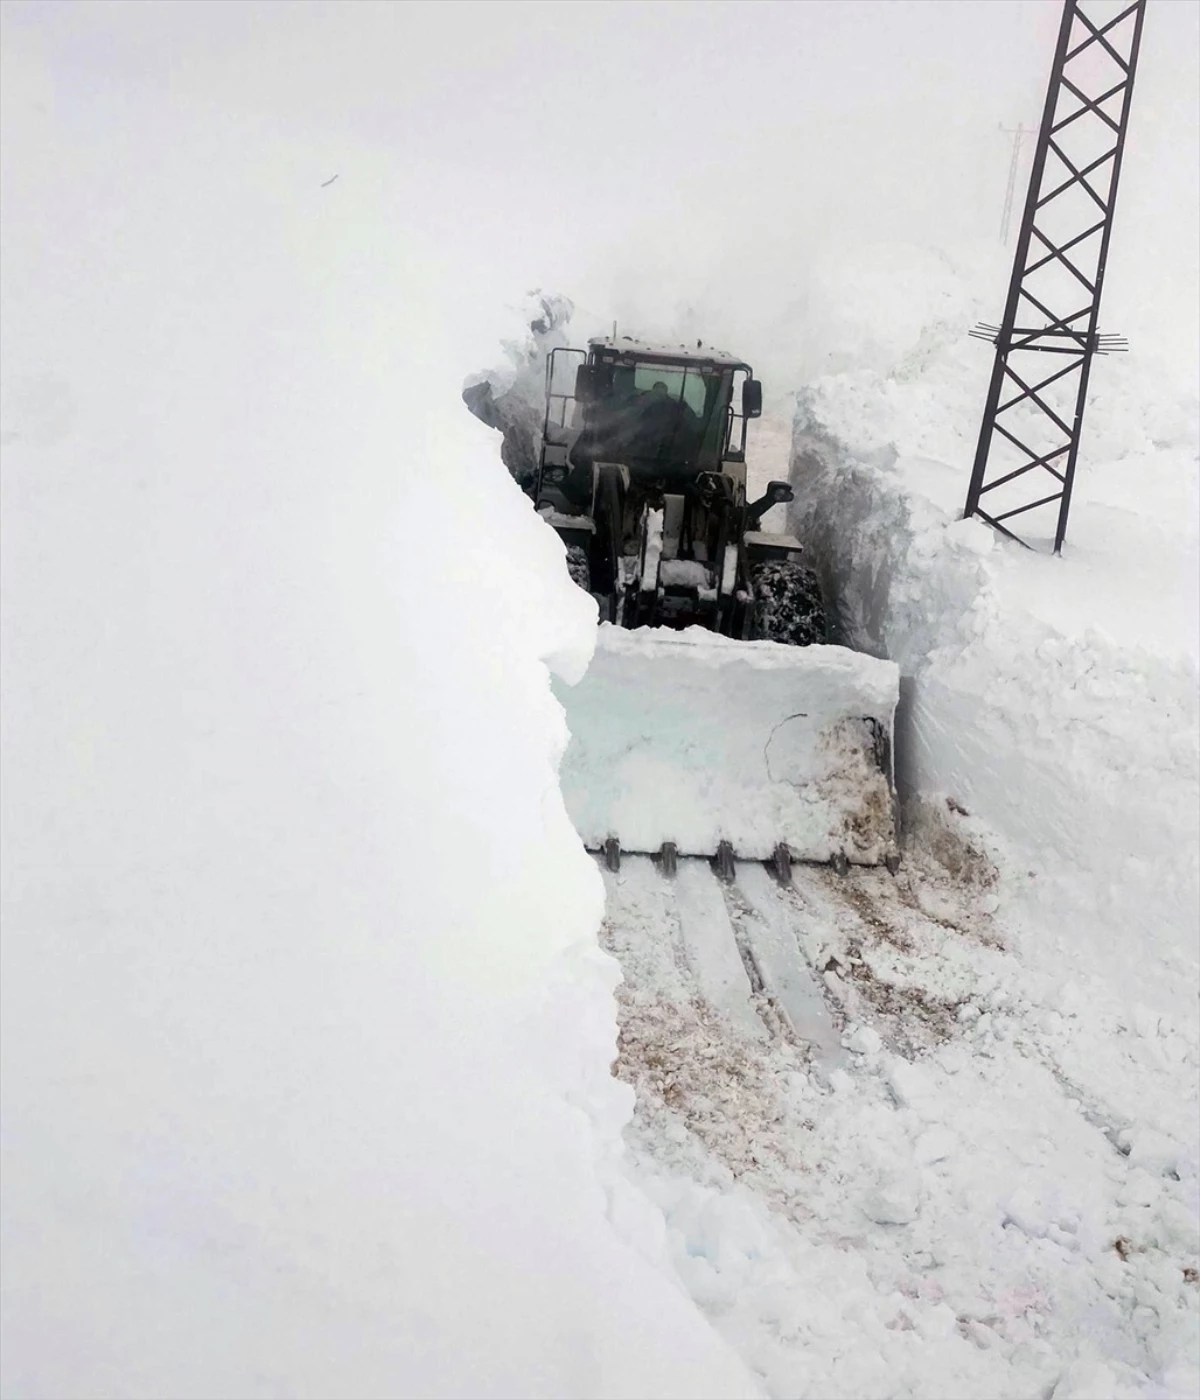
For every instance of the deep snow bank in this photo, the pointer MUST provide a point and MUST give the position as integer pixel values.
(512, 398)
(306, 1036)
(1054, 699)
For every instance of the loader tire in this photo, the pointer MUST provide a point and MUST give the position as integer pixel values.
(788, 606)
(578, 567)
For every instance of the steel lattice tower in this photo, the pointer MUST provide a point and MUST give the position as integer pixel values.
(1029, 440)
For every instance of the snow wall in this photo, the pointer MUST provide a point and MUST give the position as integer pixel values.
(306, 1033)
(1054, 700)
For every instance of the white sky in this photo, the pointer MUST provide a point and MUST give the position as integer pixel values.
(658, 154)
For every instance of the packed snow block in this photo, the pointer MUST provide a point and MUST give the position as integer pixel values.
(695, 738)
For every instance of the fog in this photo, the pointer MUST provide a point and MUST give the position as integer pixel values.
(671, 166)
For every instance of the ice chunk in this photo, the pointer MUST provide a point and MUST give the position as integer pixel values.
(911, 1086)
(1028, 1212)
(863, 1040)
(1151, 1149)
(895, 1200)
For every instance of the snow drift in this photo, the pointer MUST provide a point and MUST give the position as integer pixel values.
(1056, 696)
(1054, 700)
(306, 1036)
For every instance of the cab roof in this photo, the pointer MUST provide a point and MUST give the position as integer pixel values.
(667, 354)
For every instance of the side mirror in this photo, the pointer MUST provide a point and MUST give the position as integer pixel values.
(751, 399)
(777, 493)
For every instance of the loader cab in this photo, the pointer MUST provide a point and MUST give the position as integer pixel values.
(656, 418)
(665, 414)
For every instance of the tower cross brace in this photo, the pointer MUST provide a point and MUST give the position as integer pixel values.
(1029, 438)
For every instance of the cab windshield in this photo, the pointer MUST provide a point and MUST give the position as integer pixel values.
(693, 387)
(675, 405)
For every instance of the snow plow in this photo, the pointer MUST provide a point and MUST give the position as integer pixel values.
(715, 719)
(690, 744)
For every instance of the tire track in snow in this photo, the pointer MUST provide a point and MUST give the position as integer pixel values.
(953, 1181)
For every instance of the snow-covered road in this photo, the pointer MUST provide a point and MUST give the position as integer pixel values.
(878, 1174)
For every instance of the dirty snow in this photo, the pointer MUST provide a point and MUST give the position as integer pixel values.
(932, 1207)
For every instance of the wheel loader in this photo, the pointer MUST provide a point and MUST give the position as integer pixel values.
(643, 474)
(715, 719)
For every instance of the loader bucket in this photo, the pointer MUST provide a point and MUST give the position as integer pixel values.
(697, 740)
